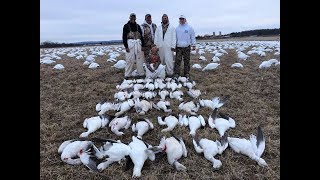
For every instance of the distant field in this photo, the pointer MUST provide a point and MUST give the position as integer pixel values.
(257, 38)
(69, 96)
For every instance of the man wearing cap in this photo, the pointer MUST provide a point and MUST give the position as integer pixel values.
(185, 39)
(133, 41)
(165, 40)
(148, 29)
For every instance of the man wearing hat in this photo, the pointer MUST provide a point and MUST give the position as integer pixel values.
(185, 40)
(133, 41)
(165, 40)
(148, 29)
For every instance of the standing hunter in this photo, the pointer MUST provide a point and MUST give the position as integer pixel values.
(148, 30)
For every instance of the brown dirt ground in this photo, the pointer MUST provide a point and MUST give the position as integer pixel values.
(69, 96)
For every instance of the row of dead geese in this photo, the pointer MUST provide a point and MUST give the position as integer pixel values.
(136, 152)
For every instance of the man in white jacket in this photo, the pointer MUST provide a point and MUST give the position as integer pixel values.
(185, 40)
(165, 40)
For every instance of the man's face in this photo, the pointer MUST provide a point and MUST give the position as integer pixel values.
(148, 19)
(182, 20)
(132, 18)
(165, 19)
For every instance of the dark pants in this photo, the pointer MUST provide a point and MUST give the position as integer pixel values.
(182, 53)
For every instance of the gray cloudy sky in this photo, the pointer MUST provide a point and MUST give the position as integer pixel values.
(90, 20)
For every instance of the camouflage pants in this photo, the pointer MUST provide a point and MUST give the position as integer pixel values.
(146, 51)
(182, 53)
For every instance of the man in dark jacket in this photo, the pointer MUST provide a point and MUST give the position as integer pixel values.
(133, 41)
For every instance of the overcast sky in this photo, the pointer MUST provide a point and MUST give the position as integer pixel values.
(91, 20)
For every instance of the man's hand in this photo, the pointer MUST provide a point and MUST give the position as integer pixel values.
(127, 50)
(173, 49)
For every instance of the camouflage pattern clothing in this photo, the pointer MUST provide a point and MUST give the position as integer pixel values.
(148, 38)
(182, 53)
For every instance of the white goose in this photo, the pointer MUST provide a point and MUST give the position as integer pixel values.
(176, 95)
(195, 123)
(70, 149)
(221, 124)
(115, 152)
(142, 106)
(95, 123)
(140, 152)
(142, 127)
(137, 87)
(196, 66)
(163, 94)
(162, 105)
(124, 107)
(189, 107)
(86, 160)
(210, 149)
(252, 148)
(237, 65)
(107, 106)
(174, 148)
(171, 121)
(194, 93)
(216, 102)
(118, 123)
(121, 95)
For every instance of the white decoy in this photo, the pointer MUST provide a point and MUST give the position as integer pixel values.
(163, 94)
(58, 66)
(173, 85)
(86, 63)
(210, 66)
(237, 65)
(196, 66)
(142, 127)
(70, 149)
(162, 105)
(195, 123)
(140, 152)
(277, 53)
(107, 106)
(124, 86)
(221, 124)
(194, 93)
(93, 65)
(121, 64)
(252, 148)
(47, 61)
(118, 123)
(149, 95)
(176, 95)
(223, 51)
(161, 85)
(218, 54)
(174, 148)
(142, 106)
(189, 107)
(124, 107)
(189, 85)
(115, 151)
(267, 64)
(215, 59)
(95, 123)
(242, 56)
(202, 58)
(171, 121)
(210, 149)
(111, 60)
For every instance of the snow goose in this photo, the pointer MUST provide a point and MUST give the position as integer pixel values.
(253, 148)
(176, 95)
(162, 105)
(58, 66)
(216, 102)
(171, 121)
(189, 107)
(142, 127)
(93, 65)
(121, 64)
(194, 93)
(163, 94)
(221, 124)
(95, 123)
(237, 65)
(115, 151)
(210, 148)
(124, 107)
(196, 66)
(142, 106)
(118, 123)
(195, 123)
(140, 152)
(174, 148)
(149, 95)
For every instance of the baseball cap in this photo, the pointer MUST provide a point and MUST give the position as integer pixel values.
(148, 15)
(182, 17)
(132, 14)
